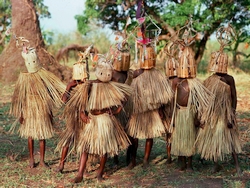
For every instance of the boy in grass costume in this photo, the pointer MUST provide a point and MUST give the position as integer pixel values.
(191, 98)
(36, 93)
(97, 101)
(74, 124)
(220, 135)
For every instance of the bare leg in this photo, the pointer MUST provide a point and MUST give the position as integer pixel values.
(31, 152)
(42, 144)
(169, 160)
(148, 147)
(82, 167)
(116, 160)
(189, 164)
(183, 163)
(129, 152)
(134, 147)
(236, 162)
(101, 168)
(63, 159)
(216, 167)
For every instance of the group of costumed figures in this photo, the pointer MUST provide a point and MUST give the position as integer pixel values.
(111, 113)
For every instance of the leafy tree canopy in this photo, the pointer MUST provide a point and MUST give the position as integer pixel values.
(170, 15)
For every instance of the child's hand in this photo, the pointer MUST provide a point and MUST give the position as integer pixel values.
(21, 120)
(84, 118)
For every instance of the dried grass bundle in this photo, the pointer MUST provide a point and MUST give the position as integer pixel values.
(35, 96)
(103, 134)
(151, 90)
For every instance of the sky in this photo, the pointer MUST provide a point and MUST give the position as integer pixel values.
(62, 15)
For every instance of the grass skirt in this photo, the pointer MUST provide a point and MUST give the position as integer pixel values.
(106, 95)
(122, 118)
(74, 124)
(216, 139)
(184, 134)
(145, 125)
(102, 135)
(151, 89)
(35, 96)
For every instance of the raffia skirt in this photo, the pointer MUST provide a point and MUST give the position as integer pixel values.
(183, 137)
(214, 143)
(70, 136)
(34, 97)
(37, 120)
(145, 125)
(104, 134)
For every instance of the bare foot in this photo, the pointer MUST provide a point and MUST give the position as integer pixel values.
(32, 163)
(77, 179)
(44, 165)
(190, 169)
(183, 168)
(145, 164)
(131, 165)
(216, 168)
(169, 161)
(59, 169)
(99, 178)
(239, 171)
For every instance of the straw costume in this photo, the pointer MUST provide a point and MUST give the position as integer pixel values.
(191, 98)
(98, 101)
(122, 74)
(151, 91)
(74, 124)
(220, 135)
(36, 94)
(170, 67)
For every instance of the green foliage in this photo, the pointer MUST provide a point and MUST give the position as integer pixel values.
(41, 9)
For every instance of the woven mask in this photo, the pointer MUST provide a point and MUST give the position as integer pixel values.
(218, 62)
(171, 67)
(32, 62)
(122, 61)
(80, 71)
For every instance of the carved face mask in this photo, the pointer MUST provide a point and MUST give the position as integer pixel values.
(32, 62)
(103, 70)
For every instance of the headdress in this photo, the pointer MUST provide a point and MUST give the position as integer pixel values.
(171, 63)
(219, 59)
(103, 68)
(187, 65)
(80, 68)
(146, 38)
(29, 55)
(122, 59)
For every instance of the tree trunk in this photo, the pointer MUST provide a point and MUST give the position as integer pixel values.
(25, 23)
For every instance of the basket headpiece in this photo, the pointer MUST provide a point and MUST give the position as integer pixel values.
(171, 63)
(219, 59)
(81, 68)
(187, 66)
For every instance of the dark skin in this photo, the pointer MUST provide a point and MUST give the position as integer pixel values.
(228, 79)
(84, 157)
(180, 85)
(121, 77)
(65, 98)
(168, 136)
(149, 141)
(42, 144)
